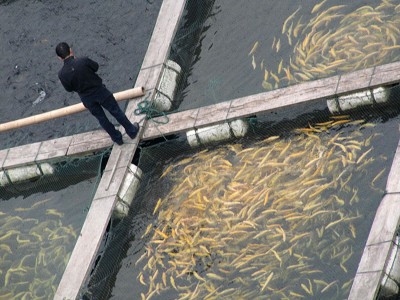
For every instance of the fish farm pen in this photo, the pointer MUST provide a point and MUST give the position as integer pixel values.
(290, 190)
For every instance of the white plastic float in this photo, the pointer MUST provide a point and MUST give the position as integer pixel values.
(168, 85)
(216, 133)
(128, 191)
(25, 173)
(352, 101)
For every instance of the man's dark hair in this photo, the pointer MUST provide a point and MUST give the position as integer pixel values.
(62, 50)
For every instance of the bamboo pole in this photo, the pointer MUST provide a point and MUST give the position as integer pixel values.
(61, 112)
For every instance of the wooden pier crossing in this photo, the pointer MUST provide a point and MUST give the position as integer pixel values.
(370, 271)
(105, 198)
(258, 104)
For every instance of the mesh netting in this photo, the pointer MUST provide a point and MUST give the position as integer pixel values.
(282, 212)
(40, 221)
(186, 46)
(230, 50)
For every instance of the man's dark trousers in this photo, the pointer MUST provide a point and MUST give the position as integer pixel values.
(95, 106)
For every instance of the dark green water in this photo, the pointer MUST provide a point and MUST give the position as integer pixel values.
(126, 283)
(40, 223)
(222, 68)
(114, 33)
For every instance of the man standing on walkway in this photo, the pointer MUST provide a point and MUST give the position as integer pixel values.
(79, 75)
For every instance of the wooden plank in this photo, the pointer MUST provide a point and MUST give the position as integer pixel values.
(374, 257)
(3, 155)
(21, 155)
(241, 107)
(111, 184)
(89, 137)
(264, 102)
(246, 106)
(149, 78)
(393, 182)
(86, 248)
(88, 148)
(386, 220)
(88, 142)
(212, 114)
(96, 222)
(261, 103)
(122, 158)
(177, 123)
(54, 148)
(84, 253)
(359, 79)
(373, 262)
(164, 31)
(366, 286)
(386, 74)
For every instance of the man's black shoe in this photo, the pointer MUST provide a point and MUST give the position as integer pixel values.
(119, 142)
(133, 135)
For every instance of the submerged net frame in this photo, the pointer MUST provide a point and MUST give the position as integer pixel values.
(40, 222)
(307, 288)
(291, 124)
(120, 228)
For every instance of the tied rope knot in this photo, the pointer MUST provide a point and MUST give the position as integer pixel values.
(146, 107)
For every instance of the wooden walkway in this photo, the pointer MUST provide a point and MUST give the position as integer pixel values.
(86, 143)
(89, 241)
(372, 266)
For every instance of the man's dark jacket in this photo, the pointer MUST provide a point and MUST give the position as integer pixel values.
(79, 75)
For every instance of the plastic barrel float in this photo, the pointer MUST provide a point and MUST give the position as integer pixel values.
(217, 133)
(353, 101)
(167, 88)
(128, 191)
(25, 173)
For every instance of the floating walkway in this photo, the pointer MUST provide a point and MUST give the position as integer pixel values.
(371, 270)
(373, 265)
(258, 104)
(89, 240)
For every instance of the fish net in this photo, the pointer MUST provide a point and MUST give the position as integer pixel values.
(309, 41)
(283, 212)
(41, 217)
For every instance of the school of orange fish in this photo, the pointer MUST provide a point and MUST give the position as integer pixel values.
(265, 221)
(333, 41)
(33, 252)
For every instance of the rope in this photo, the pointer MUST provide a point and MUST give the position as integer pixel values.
(146, 107)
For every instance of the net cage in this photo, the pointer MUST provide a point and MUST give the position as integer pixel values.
(271, 206)
(281, 212)
(266, 58)
(41, 217)
(281, 209)
(184, 52)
